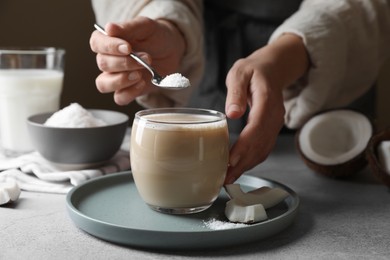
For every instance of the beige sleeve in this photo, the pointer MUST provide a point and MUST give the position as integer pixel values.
(187, 15)
(348, 41)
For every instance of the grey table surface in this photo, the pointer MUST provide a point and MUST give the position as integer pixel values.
(338, 219)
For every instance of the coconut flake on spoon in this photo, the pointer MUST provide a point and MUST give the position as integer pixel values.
(175, 80)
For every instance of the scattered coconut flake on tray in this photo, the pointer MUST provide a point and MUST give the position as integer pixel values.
(74, 116)
(215, 224)
(175, 80)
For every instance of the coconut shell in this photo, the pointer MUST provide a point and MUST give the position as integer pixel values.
(342, 170)
(373, 159)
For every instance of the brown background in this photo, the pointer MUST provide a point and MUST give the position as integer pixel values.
(68, 24)
(65, 24)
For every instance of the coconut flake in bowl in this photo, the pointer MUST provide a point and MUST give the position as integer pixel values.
(78, 137)
(74, 116)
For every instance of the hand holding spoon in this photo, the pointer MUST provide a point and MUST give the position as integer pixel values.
(172, 81)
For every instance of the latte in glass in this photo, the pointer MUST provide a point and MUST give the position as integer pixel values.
(179, 158)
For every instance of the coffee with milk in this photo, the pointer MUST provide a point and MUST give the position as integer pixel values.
(179, 158)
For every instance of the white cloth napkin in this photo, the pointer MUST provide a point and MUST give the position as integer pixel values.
(33, 173)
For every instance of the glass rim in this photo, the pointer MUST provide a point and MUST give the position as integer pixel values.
(31, 50)
(217, 116)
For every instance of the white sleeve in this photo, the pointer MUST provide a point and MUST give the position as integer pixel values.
(187, 16)
(348, 42)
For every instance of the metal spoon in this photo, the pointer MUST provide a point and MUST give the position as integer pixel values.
(156, 78)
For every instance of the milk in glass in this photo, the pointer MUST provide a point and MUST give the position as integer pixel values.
(25, 92)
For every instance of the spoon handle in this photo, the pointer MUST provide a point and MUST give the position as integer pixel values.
(143, 63)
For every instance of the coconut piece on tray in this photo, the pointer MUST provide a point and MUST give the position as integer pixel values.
(266, 196)
(249, 207)
(236, 211)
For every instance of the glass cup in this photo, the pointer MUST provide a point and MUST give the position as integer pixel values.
(179, 158)
(30, 83)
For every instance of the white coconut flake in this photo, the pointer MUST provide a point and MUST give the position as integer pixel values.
(216, 224)
(175, 80)
(74, 116)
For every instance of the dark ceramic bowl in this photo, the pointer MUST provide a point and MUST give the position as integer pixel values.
(78, 146)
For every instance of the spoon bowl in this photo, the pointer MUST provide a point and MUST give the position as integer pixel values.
(157, 79)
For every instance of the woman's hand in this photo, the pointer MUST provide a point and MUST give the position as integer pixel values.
(258, 81)
(157, 42)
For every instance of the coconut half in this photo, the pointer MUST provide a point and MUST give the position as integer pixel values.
(333, 143)
(377, 156)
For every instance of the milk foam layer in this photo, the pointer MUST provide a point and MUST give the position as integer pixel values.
(169, 121)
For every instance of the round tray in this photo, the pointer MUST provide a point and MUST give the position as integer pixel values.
(110, 208)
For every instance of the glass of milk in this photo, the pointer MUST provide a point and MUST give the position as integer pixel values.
(30, 83)
(179, 158)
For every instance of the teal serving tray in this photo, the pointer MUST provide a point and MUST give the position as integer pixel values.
(111, 209)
